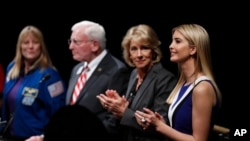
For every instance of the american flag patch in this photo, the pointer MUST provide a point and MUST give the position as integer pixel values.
(55, 88)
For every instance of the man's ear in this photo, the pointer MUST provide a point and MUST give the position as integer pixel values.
(95, 45)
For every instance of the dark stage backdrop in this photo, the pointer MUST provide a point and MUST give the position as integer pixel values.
(223, 26)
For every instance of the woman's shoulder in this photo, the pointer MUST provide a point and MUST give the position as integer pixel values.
(161, 71)
(49, 71)
(10, 65)
(203, 85)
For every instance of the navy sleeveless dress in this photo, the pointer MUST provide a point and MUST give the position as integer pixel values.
(180, 111)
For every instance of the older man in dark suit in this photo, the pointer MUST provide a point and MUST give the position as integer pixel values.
(88, 43)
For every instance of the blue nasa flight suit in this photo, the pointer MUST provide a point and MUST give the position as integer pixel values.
(40, 95)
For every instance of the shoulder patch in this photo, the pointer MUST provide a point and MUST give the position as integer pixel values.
(56, 88)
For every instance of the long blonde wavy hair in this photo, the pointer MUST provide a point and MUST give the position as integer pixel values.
(42, 61)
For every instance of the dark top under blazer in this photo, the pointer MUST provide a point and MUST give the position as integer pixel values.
(152, 94)
(111, 73)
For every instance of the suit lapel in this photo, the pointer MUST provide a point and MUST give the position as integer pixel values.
(91, 81)
(131, 82)
(74, 77)
(145, 84)
(95, 75)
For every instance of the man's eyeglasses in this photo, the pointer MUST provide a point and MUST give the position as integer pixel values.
(77, 42)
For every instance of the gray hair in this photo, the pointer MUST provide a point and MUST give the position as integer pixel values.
(93, 30)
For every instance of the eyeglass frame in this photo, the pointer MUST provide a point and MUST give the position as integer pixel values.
(77, 42)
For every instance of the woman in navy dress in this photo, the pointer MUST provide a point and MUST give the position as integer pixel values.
(195, 100)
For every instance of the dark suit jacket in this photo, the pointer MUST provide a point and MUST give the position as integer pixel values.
(111, 73)
(152, 94)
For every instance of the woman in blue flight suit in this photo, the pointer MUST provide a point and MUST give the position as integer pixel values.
(34, 89)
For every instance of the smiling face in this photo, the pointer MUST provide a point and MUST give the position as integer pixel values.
(140, 54)
(30, 48)
(180, 50)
